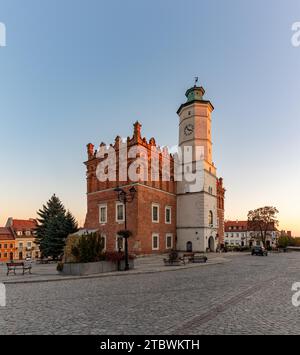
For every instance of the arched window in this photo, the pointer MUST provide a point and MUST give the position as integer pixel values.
(211, 218)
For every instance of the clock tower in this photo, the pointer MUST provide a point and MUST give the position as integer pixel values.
(197, 222)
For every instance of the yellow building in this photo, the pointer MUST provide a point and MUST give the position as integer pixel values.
(25, 240)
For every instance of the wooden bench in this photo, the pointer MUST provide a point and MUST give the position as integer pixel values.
(12, 267)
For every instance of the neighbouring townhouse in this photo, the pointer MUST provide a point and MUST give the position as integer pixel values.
(238, 233)
(24, 236)
(164, 214)
(7, 245)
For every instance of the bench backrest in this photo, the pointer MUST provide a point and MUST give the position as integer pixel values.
(14, 264)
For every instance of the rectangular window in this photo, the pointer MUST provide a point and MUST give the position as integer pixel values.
(120, 243)
(155, 213)
(5, 246)
(120, 212)
(103, 214)
(11, 246)
(155, 242)
(168, 215)
(169, 241)
(20, 245)
(28, 233)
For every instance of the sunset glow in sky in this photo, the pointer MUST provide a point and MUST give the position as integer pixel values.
(75, 72)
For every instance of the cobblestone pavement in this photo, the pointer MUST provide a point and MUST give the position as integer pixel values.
(250, 295)
(148, 264)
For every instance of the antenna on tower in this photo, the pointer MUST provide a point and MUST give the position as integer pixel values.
(196, 80)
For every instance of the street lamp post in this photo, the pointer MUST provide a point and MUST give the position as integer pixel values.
(125, 197)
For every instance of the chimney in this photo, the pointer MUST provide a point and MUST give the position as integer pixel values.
(137, 130)
(90, 150)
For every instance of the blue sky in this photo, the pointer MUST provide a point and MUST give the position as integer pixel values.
(79, 71)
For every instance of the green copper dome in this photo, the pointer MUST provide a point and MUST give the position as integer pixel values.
(195, 93)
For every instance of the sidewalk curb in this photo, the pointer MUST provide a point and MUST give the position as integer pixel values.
(114, 274)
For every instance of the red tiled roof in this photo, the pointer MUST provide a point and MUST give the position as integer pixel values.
(20, 224)
(242, 226)
(6, 234)
(239, 225)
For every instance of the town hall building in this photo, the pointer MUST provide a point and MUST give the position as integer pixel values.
(162, 214)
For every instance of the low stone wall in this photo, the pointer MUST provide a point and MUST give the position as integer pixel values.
(84, 269)
(293, 248)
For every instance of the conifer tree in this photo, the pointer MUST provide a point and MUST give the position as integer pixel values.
(54, 225)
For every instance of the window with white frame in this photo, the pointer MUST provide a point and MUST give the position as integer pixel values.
(155, 213)
(120, 243)
(168, 215)
(103, 214)
(155, 242)
(120, 212)
(169, 241)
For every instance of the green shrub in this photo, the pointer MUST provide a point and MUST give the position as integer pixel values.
(173, 255)
(60, 267)
(89, 248)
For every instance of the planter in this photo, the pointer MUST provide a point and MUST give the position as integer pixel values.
(84, 269)
(131, 265)
(172, 263)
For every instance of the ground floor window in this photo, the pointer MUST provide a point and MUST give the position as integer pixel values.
(120, 243)
(169, 241)
(155, 242)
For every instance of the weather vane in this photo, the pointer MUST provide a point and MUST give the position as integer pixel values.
(196, 80)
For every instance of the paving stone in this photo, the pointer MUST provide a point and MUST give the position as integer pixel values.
(249, 295)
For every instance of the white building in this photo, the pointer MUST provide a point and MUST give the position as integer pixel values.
(237, 234)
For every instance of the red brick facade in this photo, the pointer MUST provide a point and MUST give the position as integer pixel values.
(148, 236)
(221, 211)
(139, 212)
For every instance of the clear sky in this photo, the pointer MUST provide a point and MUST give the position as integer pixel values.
(77, 71)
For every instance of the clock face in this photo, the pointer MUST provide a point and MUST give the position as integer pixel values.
(189, 129)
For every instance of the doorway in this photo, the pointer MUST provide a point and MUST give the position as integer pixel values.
(211, 244)
(189, 247)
